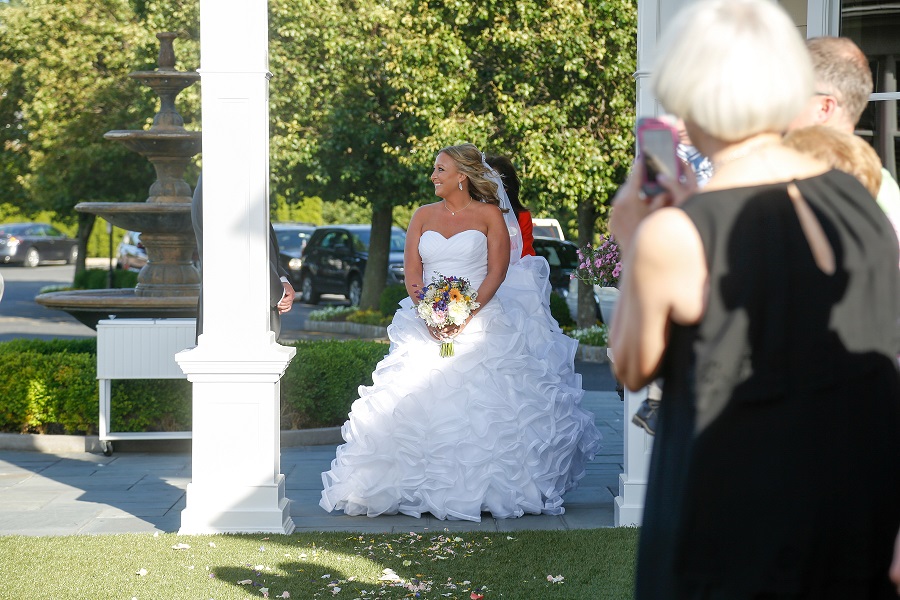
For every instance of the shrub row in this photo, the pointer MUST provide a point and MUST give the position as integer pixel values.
(97, 279)
(51, 387)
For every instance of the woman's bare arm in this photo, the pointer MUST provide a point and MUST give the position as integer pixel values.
(664, 280)
(412, 260)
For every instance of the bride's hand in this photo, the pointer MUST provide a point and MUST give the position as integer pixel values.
(451, 331)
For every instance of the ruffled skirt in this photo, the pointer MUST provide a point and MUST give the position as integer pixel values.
(497, 428)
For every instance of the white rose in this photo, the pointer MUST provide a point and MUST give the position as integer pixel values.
(458, 312)
(424, 311)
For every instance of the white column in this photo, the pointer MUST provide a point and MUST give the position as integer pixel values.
(629, 506)
(823, 17)
(237, 365)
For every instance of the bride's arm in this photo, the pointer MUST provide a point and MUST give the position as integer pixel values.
(412, 260)
(498, 254)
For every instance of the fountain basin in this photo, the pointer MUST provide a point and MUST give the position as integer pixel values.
(146, 217)
(90, 306)
(159, 143)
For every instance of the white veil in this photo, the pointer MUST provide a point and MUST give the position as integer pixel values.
(512, 224)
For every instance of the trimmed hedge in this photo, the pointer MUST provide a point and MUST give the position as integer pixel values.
(98, 279)
(390, 298)
(322, 381)
(51, 387)
(560, 310)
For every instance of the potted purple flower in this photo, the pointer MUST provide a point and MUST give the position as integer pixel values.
(601, 267)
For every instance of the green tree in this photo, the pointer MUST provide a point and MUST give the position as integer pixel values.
(64, 82)
(357, 65)
(547, 82)
(552, 88)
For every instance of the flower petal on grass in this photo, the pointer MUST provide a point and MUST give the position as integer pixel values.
(142, 572)
(245, 582)
(557, 579)
(181, 546)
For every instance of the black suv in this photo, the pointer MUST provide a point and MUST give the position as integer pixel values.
(562, 257)
(334, 260)
(292, 239)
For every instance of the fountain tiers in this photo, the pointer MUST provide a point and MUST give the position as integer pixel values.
(169, 284)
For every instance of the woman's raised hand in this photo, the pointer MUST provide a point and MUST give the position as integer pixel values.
(631, 204)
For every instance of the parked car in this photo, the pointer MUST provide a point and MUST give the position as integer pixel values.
(334, 261)
(31, 244)
(292, 239)
(131, 253)
(563, 259)
(547, 228)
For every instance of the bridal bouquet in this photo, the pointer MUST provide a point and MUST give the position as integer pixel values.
(446, 301)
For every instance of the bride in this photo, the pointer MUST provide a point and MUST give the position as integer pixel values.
(498, 427)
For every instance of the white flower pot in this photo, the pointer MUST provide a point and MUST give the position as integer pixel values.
(608, 297)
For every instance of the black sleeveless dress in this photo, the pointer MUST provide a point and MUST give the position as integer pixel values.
(776, 466)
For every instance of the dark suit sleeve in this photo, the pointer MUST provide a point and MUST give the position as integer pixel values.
(274, 252)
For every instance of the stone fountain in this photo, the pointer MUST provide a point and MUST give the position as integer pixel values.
(169, 284)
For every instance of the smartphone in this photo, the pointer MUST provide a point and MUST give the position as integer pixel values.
(657, 141)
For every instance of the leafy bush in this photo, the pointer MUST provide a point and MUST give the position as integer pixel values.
(48, 392)
(390, 298)
(321, 382)
(78, 346)
(370, 317)
(331, 313)
(151, 404)
(98, 279)
(560, 310)
(591, 336)
(51, 387)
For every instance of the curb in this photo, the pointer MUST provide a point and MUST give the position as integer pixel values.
(592, 354)
(68, 444)
(358, 329)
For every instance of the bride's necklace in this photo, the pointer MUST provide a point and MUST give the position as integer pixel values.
(453, 212)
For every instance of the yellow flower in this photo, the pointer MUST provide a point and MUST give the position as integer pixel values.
(455, 294)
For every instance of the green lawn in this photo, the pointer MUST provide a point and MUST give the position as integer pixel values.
(594, 564)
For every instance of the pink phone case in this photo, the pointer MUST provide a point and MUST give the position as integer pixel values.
(657, 143)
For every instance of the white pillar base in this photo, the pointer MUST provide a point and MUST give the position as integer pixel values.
(629, 505)
(262, 509)
(236, 482)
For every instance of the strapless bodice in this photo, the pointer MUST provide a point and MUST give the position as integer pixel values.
(461, 255)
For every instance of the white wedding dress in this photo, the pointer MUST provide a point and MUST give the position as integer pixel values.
(498, 427)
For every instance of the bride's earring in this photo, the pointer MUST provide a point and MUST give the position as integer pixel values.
(460, 186)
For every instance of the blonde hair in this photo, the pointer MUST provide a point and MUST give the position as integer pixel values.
(470, 162)
(734, 68)
(841, 150)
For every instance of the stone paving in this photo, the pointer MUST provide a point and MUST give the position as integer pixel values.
(69, 494)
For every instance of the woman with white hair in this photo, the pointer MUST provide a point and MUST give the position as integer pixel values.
(769, 303)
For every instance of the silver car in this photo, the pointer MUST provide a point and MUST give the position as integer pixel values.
(31, 244)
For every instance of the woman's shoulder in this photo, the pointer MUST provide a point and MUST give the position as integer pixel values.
(431, 206)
